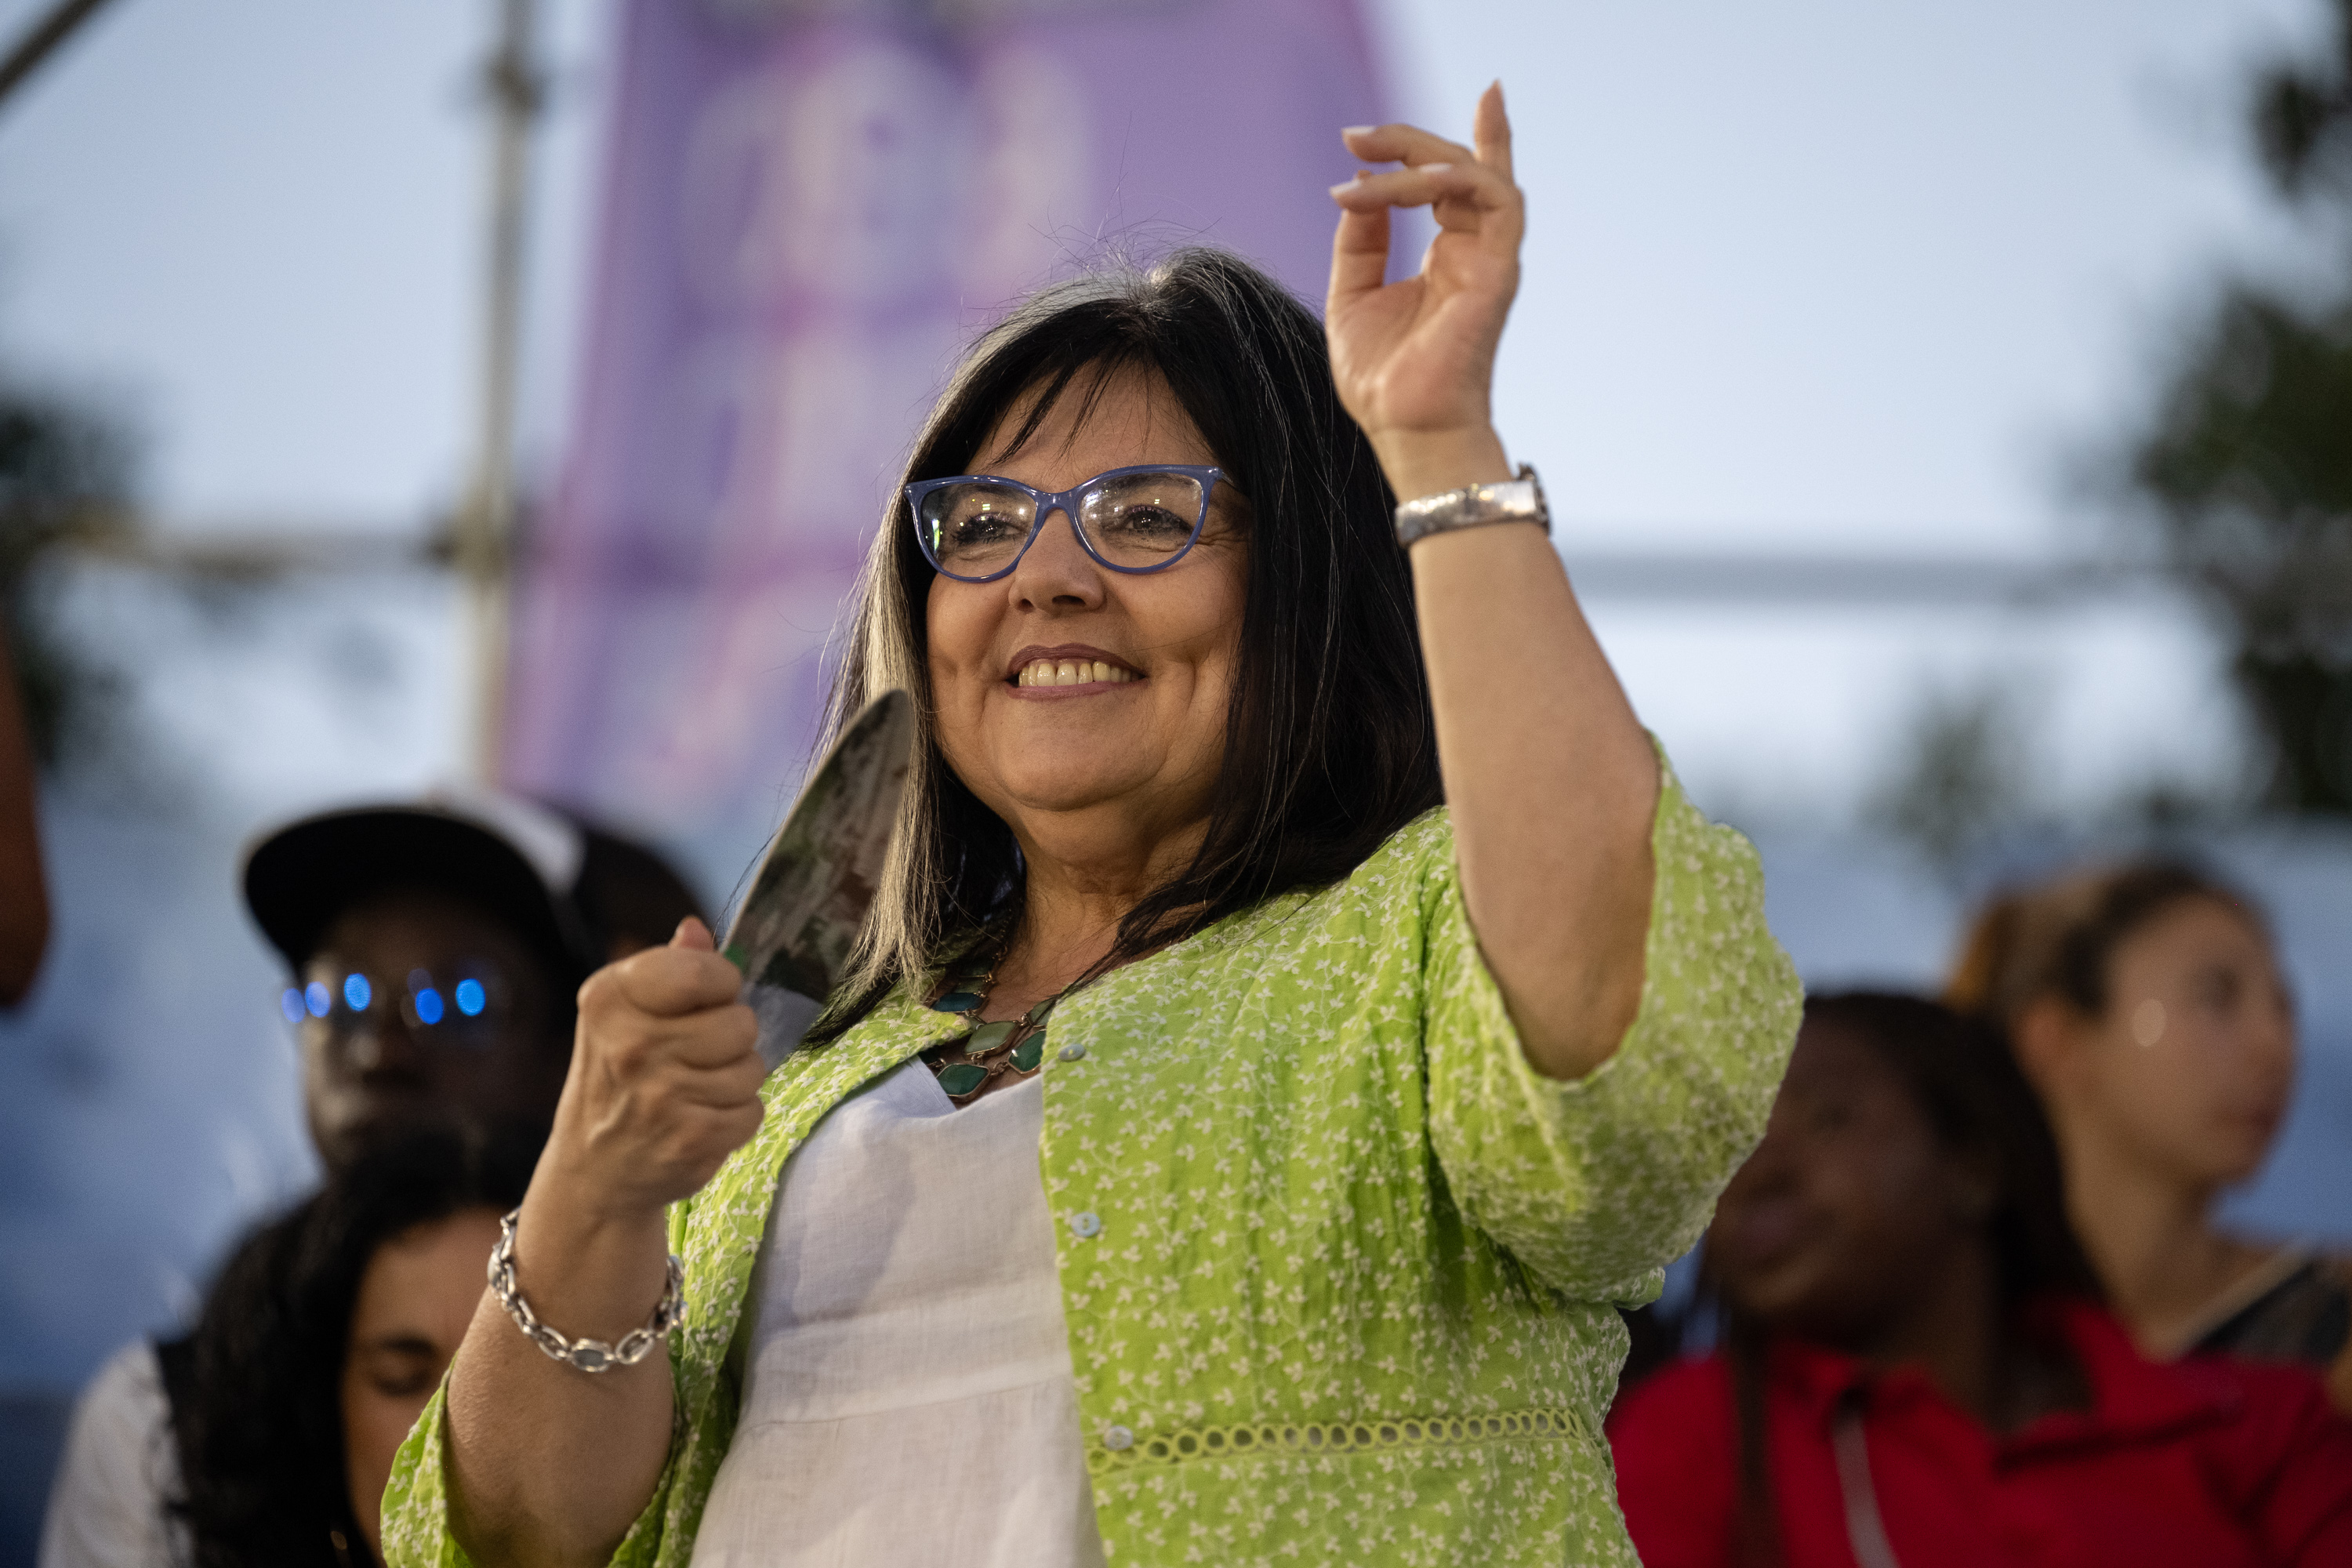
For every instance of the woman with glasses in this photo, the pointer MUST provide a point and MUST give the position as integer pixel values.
(1301, 1005)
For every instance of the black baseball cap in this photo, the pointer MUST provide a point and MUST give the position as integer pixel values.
(513, 858)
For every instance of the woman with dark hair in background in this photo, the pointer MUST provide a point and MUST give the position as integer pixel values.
(1916, 1369)
(1403, 1015)
(2144, 1003)
(433, 950)
(274, 1425)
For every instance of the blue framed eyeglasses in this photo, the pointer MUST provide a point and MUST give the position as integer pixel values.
(975, 528)
(470, 1006)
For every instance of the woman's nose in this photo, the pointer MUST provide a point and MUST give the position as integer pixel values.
(1056, 573)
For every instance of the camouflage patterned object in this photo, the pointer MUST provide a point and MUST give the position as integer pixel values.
(793, 932)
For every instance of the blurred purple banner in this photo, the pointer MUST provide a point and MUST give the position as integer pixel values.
(808, 207)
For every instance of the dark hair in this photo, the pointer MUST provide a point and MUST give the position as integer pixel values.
(1329, 745)
(626, 893)
(2059, 939)
(256, 1388)
(1959, 1074)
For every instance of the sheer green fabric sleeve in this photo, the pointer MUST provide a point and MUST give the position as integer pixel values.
(416, 1532)
(1595, 1184)
(415, 1501)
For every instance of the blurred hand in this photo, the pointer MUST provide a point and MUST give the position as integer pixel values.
(1414, 360)
(665, 1080)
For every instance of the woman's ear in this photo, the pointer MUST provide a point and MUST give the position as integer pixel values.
(2047, 1038)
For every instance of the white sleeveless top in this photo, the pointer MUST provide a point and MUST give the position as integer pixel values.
(906, 1322)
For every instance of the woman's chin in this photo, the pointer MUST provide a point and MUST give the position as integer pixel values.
(2234, 1146)
(2237, 1163)
(1062, 791)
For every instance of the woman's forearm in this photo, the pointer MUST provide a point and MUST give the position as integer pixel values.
(549, 1464)
(1551, 781)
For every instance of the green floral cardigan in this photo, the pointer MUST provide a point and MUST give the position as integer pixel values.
(1341, 1270)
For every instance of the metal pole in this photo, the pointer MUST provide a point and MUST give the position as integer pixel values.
(486, 529)
(40, 39)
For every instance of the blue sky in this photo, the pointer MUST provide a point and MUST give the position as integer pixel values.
(1825, 275)
(1824, 272)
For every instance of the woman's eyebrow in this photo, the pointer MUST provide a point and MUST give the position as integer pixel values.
(400, 1343)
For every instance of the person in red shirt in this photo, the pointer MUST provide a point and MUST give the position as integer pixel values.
(1916, 1369)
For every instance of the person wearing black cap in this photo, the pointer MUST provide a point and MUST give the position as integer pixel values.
(434, 950)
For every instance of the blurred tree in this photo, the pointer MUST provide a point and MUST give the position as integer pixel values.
(1957, 772)
(2248, 459)
(64, 478)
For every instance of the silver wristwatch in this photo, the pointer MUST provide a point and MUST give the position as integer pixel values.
(588, 1355)
(1475, 506)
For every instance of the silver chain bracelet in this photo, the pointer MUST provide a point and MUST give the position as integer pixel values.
(588, 1355)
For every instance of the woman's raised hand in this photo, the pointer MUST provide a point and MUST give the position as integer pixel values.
(1550, 782)
(1414, 360)
(665, 1080)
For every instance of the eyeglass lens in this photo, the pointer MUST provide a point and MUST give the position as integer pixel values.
(1132, 521)
(462, 1004)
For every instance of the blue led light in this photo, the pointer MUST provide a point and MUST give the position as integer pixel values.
(428, 1006)
(471, 997)
(357, 993)
(318, 998)
(291, 1004)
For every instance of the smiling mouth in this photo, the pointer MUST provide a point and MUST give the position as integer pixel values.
(1072, 672)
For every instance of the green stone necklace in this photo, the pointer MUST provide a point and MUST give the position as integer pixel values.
(1009, 1045)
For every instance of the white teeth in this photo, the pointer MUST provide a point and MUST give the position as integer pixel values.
(1072, 672)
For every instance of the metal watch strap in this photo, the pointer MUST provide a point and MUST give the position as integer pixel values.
(588, 1355)
(1475, 506)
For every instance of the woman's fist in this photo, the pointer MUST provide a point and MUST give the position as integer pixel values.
(665, 1080)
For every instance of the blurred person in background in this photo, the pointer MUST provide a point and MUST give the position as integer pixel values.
(434, 951)
(24, 892)
(2146, 1005)
(1916, 1368)
(629, 898)
(273, 1429)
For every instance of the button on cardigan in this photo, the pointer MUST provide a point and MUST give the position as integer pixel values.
(1350, 1290)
